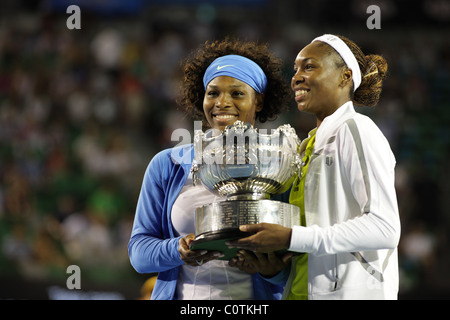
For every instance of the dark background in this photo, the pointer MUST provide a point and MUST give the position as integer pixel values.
(82, 112)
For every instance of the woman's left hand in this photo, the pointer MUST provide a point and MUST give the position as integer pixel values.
(195, 258)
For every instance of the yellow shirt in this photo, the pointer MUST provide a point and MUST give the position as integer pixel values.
(297, 286)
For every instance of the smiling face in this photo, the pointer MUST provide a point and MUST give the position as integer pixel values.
(228, 99)
(320, 86)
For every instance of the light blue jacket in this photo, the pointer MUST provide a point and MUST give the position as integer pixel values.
(153, 246)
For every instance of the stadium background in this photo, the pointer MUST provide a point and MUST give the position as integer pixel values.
(83, 111)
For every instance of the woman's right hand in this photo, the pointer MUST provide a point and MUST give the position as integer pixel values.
(195, 258)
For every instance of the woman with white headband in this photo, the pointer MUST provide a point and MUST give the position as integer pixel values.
(350, 228)
(224, 81)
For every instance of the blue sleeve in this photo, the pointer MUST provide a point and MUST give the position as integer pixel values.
(266, 290)
(151, 249)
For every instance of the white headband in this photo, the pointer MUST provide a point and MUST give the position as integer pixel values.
(346, 54)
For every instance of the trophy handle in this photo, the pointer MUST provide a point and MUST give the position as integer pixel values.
(194, 171)
(299, 164)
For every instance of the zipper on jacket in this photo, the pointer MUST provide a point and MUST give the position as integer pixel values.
(336, 275)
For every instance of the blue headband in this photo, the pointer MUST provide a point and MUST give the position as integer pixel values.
(239, 68)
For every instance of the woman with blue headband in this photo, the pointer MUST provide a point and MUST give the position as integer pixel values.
(276, 92)
(224, 81)
(350, 230)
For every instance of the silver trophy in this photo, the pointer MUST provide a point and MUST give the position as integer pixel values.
(246, 166)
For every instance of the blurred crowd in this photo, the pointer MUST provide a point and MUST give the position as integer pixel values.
(83, 111)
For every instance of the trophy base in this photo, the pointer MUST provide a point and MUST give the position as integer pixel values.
(219, 222)
(215, 241)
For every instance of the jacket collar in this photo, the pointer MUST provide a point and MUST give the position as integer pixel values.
(332, 122)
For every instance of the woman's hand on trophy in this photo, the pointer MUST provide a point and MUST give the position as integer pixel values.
(267, 238)
(244, 261)
(195, 257)
(267, 264)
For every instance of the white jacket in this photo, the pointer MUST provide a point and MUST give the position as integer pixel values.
(352, 220)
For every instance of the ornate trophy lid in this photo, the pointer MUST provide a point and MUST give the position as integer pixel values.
(242, 160)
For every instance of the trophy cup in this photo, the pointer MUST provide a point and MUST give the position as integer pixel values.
(246, 167)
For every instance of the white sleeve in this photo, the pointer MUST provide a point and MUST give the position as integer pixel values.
(377, 226)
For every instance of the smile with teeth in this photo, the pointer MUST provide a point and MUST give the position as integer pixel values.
(224, 116)
(300, 92)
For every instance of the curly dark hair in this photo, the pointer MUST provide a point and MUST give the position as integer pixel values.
(277, 93)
